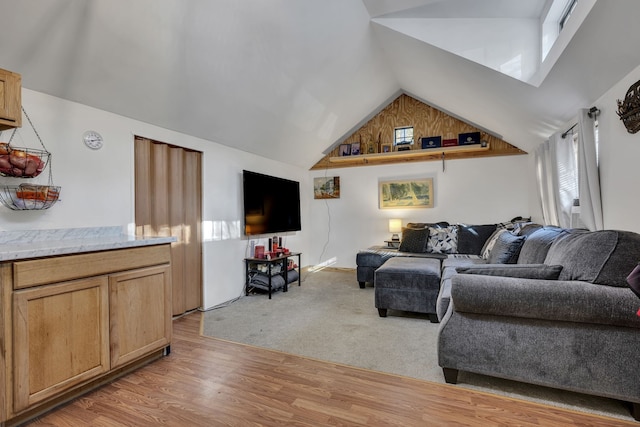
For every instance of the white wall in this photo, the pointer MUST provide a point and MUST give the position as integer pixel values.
(619, 156)
(474, 191)
(98, 186)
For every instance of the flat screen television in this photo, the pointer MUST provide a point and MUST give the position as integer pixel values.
(271, 204)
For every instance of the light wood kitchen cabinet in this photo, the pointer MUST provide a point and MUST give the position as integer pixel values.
(140, 310)
(61, 338)
(10, 100)
(73, 322)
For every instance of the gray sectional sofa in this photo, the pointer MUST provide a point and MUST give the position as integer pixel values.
(543, 305)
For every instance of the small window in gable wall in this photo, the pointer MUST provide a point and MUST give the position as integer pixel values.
(403, 136)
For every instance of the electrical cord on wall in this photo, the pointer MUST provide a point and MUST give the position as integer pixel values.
(326, 203)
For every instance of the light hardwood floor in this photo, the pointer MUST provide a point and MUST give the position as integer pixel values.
(210, 382)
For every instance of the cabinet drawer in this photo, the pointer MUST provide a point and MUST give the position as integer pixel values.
(59, 269)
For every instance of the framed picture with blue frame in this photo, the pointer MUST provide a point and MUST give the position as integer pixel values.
(431, 142)
(469, 138)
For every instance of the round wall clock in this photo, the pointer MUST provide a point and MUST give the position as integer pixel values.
(93, 139)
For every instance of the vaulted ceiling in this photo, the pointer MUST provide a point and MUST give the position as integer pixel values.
(286, 79)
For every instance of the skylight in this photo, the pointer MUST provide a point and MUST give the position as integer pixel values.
(567, 14)
(556, 19)
(521, 39)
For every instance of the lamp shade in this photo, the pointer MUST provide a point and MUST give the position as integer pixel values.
(395, 225)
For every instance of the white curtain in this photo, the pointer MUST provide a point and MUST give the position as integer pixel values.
(557, 179)
(588, 175)
(545, 187)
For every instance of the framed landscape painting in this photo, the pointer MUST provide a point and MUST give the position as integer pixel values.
(406, 194)
(326, 187)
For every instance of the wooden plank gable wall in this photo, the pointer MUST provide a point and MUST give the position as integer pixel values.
(427, 121)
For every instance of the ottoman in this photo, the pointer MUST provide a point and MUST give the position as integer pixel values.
(408, 284)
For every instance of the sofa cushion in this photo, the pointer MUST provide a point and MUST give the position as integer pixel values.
(525, 271)
(414, 240)
(622, 261)
(536, 246)
(443, 240)
(506, 249)
(603, 257)
(471, 238)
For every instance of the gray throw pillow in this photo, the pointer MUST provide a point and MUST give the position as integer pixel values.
(523, 271)
(414, 240)
(506, 249)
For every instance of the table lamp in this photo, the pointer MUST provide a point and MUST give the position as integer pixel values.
(395, 227)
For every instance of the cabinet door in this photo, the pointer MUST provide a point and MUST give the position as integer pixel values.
(10, 100)
(140, 313)
(61, 338)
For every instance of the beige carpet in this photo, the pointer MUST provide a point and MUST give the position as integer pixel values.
(330, 318)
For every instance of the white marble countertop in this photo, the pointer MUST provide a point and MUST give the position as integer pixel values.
(16, 245)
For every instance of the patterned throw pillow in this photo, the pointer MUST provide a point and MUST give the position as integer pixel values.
(443, 240)
(414, 240)
(490, 243)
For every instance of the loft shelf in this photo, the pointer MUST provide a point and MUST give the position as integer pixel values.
(412, 154)
(404, 156)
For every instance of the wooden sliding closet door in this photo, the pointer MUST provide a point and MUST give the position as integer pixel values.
(168, 203)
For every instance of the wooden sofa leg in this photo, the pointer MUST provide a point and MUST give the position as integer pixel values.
(635, 410)
(382, 312)
(450, 375)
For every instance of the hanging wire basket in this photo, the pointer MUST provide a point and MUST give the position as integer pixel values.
(29, 196)
(22, 162)
(26, 163)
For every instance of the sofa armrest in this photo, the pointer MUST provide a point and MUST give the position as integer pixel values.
(569, 301)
